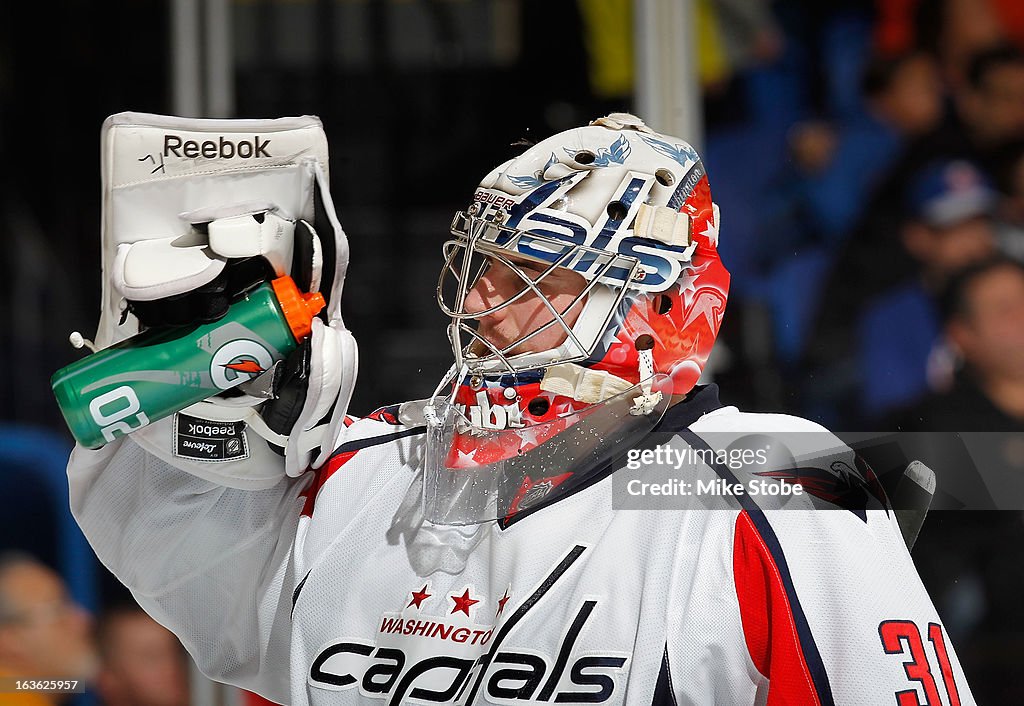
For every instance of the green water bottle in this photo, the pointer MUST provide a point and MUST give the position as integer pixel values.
(158, 372)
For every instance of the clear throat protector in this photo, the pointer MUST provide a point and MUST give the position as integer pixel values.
(475, 472)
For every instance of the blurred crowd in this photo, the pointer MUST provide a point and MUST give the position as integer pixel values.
(868, 158)
(121, 657)
(898, 138)
(881, 266)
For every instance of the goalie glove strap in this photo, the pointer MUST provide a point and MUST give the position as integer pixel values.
(207, 303)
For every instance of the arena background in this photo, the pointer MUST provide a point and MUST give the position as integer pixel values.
(419, 99)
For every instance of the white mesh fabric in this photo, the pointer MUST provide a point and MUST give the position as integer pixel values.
(210, 563)
(213, 564)
(848, 574)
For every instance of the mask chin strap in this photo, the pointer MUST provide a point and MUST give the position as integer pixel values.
(594, 386)
(583, 384)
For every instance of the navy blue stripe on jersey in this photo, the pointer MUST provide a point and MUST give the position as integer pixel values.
(499, 637)
(298, 589)
(698, 402)
(810, 650)
(563, 654)
(664, 694)
(360, 444)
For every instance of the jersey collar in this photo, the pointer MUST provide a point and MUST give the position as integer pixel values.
(701, 400)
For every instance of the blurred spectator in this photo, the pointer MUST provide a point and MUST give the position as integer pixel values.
(43, 633)
(835, 169)
(872, 259)
(992, 101)
(966, 27)
(142, 663)
(738, 41)
(951, 30)
(984, 117)
(950, 220)
(1009, 179)
(903, 92)
(983, 310)
(813, 202)
(952, 206)
(878, 333)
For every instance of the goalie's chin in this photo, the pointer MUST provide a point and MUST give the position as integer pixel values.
(479, 349)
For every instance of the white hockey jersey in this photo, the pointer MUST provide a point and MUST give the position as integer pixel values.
(331, 589)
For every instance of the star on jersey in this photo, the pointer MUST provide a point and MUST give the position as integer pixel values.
(418, 597)
(463, 603)
(501, 603)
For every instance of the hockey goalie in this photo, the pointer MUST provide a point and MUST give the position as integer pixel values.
(491, 543)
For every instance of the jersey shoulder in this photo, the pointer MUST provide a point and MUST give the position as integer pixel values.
(790, 461)
(400, 414)
(732, 419)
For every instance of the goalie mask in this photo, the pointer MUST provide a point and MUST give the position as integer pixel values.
(585, 291)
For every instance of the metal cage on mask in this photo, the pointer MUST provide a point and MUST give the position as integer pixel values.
(489, 460)
(482, 242)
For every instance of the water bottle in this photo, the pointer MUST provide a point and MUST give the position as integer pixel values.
(158, 372)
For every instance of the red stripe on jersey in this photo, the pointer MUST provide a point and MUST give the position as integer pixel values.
(252, 699)
(320, 477)
(385, 414)
(768, 625)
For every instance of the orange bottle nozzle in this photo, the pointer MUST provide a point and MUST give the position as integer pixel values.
(298, 308)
